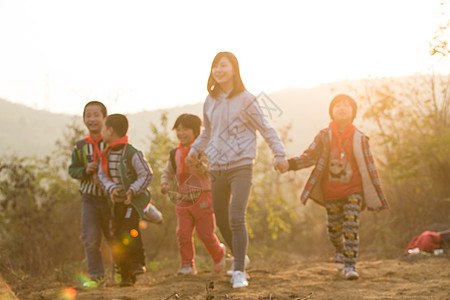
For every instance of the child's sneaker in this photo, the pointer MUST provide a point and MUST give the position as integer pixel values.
(339, 261)
(231, 270)
(351, 274)
(138, 269)
(152, 214)
(187, 269)
(127, 280)
(94, 282)
(239, 279)
(221, 264)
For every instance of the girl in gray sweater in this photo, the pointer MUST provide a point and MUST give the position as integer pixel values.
(231, 118)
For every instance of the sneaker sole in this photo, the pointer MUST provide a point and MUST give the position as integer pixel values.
(240, 285)
(247, 277)
(351, 276)
(188, 273)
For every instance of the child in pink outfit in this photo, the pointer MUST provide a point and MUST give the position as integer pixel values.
(194, 206)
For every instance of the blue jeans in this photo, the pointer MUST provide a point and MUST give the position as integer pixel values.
(95, 220)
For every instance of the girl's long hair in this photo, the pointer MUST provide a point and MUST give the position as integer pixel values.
(238, 86)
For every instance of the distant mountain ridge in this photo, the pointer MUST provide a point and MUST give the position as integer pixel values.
(27, 132)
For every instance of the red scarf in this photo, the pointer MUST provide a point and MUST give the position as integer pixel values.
(182, 170)
(90, 140)
(104, 156)
(339, 138)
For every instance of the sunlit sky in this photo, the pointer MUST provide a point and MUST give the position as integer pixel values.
(143, 55)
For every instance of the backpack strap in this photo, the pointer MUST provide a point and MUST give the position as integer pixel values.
(80, 151)
(80, 144)
(172, 159)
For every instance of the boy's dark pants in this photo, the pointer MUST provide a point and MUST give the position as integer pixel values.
(127, 246)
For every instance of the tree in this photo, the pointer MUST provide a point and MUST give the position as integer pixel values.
(162, 237)
(439, 44)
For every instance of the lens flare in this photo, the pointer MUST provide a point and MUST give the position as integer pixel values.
(68, 294)
(143, 225)
(6, 292)
(82, 278)
(134, 233)
(126, 241)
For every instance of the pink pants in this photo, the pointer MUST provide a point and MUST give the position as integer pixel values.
(198, 215)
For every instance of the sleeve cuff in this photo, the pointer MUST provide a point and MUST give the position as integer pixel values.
(111, 189)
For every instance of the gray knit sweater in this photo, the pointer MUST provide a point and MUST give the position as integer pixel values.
(229, 134)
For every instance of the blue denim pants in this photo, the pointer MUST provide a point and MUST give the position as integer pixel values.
(95, 221)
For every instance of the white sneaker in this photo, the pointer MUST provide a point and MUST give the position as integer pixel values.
(152, 214)
(187, 269)
(231, 270)
(351, 274)
(221, 264)
(239, 279)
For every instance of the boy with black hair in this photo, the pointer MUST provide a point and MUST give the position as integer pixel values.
(95, 213)
(125, 175)
(194, 205)
(345, 180)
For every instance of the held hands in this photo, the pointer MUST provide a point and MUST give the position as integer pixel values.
(115, 193)
(281, 166)
(91, 168)
(129, 197)
(119, 193)
(191, 159)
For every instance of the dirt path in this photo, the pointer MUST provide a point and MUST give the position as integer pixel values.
(420, 278)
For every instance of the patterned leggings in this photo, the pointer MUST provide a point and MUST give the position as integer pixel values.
(343, 226)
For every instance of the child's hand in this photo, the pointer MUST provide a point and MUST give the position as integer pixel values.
(116, 192)
(91, 168)
(164, 188)
(281, 166)
(191, 159)
(129, 197)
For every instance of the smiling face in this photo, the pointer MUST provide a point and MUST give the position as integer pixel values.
(223, 73)
(185, 135)
(342, 112)
(93, 118)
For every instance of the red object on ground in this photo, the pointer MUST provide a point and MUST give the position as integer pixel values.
(427, 241)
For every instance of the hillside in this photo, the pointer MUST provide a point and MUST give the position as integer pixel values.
(27, 132)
